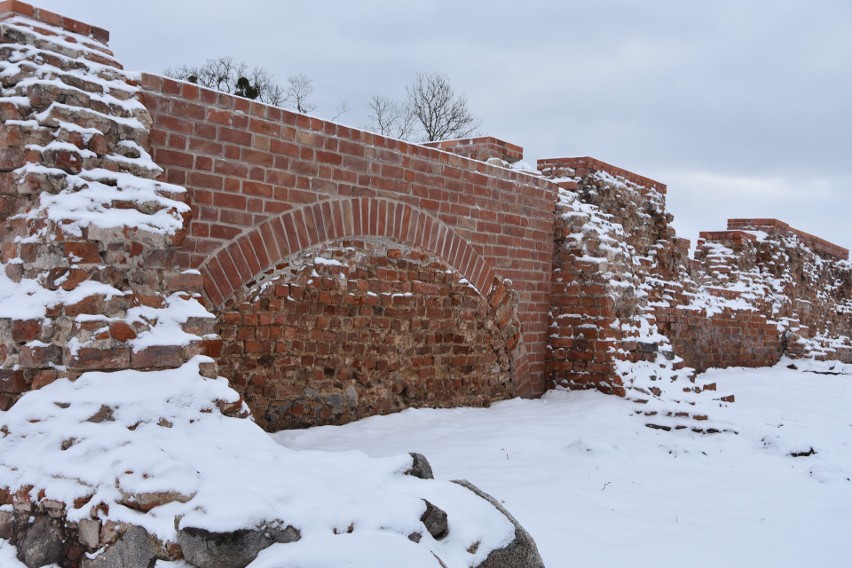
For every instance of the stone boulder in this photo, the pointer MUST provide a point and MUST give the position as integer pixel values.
(521, 552)
(42, 543)
(135, 548)
(205, 549)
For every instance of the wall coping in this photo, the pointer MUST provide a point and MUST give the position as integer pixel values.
(730, 235)
(819, 245)
(586, 164)
(505, 150)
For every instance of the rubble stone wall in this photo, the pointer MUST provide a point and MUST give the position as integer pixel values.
(356, 328)
(753, 293)
(153, 225)
(87, 233)
(733, 338)
(799, 284)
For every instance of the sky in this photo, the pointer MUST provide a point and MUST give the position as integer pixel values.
(743, 108)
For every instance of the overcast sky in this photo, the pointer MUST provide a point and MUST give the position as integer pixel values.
(744, 108)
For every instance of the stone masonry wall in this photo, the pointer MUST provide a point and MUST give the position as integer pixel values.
(613, 245)
(608, 232)
(348, 275)
(85, 228)
(797, 283)
(732, 338)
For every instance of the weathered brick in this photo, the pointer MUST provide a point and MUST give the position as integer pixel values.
(12, 381)
(98, 358)
(25, 330)
(157, 357)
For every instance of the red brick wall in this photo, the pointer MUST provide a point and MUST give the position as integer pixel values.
(729, 339)
(582, 340)
(586, 165)
(9, 8)
(266, 183)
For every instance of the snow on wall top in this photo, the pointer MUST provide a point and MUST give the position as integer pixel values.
(10, 8)
(88, 130)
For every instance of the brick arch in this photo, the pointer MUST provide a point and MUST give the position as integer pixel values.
(244, 258)
(268, 244)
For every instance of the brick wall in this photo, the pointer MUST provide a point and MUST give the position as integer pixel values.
(730, 339)
(266, 183)
(601, 257)
(581, 167)
(9, 8)
(84, 224)
(562, 303)
(481, 148)
(790, 279)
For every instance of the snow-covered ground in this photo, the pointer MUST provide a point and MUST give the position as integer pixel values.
(592, 484)
(597, 488)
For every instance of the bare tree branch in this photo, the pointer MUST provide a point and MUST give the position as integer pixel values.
(340, 110)
(390, 118)
(229, 76)
(441, 113)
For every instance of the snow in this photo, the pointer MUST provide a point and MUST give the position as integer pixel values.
(594, 487)
(346, 551)
(27, 299)
(68, 40)
(524, 167)
(118, 438)
(167, 322)
(322, 261)
(90, 197)
(57, 146)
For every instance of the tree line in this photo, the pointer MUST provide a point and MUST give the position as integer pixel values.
(430, 111)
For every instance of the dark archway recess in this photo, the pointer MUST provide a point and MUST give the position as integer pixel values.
(366, 326)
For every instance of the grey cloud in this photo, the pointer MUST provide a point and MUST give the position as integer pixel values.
(724, 97)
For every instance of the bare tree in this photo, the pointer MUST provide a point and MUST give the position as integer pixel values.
(235, 77)
(299, 89)
(441, 113)
(230, 76)
(390, 118)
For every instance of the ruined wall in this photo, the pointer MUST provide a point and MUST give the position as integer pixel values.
(482, 148)
(87, 236)
(613, 248)
(749, 297)
(799, 284)
(719, 339)
(578, 269)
